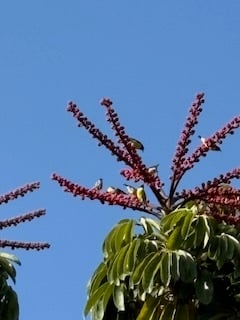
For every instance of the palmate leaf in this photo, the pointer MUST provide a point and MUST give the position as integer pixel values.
(223, 248)
(174, 218)
(178, 225)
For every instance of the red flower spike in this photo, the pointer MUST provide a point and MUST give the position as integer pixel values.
(182, 146)
(213, 193)
(21, 192)
(123, 200)
(25, 217)
(209, 144)
(24, 245)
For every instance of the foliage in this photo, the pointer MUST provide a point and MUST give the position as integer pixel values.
(184, 262)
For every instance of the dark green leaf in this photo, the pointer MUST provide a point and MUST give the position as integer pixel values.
(137, 273)
(204, 287)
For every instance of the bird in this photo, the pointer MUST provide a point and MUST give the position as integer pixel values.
(213, 147)
(141, 195)
(153, 169)
(98, 184)
(136, 144)
(115, 190)
(130, 189)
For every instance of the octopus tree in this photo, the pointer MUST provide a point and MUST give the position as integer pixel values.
(181, 261)
(9, 308)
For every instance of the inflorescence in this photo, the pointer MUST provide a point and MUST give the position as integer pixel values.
(216, 194)
(21, 192)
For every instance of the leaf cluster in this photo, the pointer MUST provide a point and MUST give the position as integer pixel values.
(185, 266)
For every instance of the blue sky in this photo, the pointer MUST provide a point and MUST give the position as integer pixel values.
(150, 59)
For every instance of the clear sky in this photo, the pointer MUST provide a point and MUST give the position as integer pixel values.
(150, 58)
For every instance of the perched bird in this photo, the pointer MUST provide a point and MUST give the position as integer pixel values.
(214, 147)
(136, 144)
(153, 169)
(98, 184)
(130, 189)
(141, 195)
(115, 190)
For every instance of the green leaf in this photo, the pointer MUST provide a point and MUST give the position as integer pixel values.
(168, 312)
(124, 234)
(175, 272)
(165, 266)
(131, 256)
(138, 272)
(175, 239)
(150, 271)
(213, 247)
(120, 262)
(187, 267)
(171, 220)
(98, 310)
(202, 231)
(95, 298)
(148, 308)
(118, 297)
(185, 228)
(109, 243)
(236, 244)
(150, 225)
(114, 268)
(231, 247)
(107, 295)
(10, 257)
(9, 268)
(222, 250)
(118, 237)
(11, 306)
(97, 278)
(204, 287)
